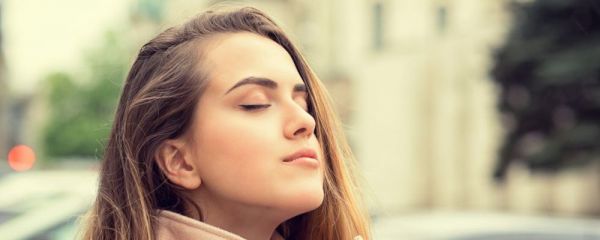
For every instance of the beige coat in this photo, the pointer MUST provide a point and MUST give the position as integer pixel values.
(173, 226)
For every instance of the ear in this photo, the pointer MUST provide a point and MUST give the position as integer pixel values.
(176, 163)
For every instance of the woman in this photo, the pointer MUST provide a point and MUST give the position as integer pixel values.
(224, 132)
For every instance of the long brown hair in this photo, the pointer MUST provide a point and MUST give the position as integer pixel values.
(157, 102)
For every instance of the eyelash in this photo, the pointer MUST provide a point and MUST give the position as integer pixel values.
(254, 107)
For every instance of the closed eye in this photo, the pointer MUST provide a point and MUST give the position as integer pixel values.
(253, 107)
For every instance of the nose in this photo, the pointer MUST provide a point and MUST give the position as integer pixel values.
(299, 123)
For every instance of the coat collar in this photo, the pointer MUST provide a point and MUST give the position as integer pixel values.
(171, 225)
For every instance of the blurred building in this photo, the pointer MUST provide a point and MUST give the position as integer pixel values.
(424, 121)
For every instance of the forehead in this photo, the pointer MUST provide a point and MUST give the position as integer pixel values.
(231, 57)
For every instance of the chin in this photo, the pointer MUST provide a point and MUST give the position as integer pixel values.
(303, 202)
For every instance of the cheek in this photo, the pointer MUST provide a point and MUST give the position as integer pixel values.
(234, 146)
(238, 154)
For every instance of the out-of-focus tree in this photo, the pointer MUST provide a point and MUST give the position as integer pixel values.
(81, 112)
(548, 73)
(149, 10)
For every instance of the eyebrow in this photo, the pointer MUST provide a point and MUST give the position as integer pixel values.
(265, 82)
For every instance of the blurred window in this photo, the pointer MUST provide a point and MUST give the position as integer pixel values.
(378, 26)
(442, 19)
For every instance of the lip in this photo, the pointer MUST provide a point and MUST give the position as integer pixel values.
(302, 153)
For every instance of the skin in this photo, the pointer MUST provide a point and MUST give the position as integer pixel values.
(231, 160)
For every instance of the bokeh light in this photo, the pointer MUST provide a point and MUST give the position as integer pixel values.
(21, 158)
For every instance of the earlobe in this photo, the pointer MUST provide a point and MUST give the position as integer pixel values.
(177, 164)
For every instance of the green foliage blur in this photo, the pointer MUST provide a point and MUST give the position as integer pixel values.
(548, 72)
(81, 110)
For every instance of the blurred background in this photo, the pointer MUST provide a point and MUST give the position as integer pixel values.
(470, 119)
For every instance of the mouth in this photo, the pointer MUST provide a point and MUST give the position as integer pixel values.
(302, 153)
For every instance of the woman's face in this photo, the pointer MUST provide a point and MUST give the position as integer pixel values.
(251, 117)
